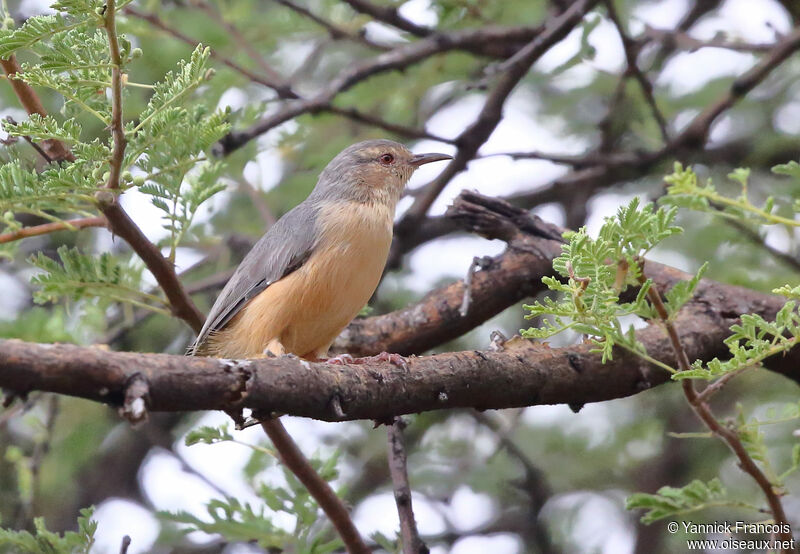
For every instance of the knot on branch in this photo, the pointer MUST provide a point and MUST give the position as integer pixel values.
(105, 199)
(137, 396)
(243, 371)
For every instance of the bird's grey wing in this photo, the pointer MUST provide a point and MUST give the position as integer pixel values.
(283, 249)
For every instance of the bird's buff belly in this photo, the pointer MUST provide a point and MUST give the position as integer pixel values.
(305, 311)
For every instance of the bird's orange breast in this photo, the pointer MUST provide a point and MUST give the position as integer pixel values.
(305, 311)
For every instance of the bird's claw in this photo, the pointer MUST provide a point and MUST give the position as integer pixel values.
(341, 359)
(394, 359)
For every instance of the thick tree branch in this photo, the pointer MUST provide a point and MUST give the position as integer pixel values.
(412, 543)
(522, 373)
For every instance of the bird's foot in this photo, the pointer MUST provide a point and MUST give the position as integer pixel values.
(341, 359)
(394, 359)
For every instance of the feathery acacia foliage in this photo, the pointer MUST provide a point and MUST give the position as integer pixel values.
(46, 542)
(671, 501)
(96, 278)
(596, 271)
(240, 521)
(166, 145)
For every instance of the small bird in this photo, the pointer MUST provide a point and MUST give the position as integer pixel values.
(319, 264)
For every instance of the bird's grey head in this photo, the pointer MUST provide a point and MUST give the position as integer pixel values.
(371, 171)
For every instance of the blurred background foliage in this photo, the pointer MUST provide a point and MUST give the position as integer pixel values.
(542, 479)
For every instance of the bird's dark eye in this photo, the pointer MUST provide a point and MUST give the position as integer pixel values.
(386, 159)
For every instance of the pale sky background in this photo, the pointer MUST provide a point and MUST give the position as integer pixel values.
(601, 523)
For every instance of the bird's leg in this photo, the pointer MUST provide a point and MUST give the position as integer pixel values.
(394, 359)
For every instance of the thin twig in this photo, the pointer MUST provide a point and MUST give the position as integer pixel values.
(389, 15)
(322, 492)
(311, 61)
(399, 58)
(280, 88)
(39, 150)
(335, 31)
(703, 412)
(535, 483)
(126, 542)
(632, 48)
(237, 37)
(577, 161)
(401, 130)
(69, 225)
(42, 447)
(717, 385)
(412, 543)
(785, 257)
(117, 129)
(684, 41)
(267, 217)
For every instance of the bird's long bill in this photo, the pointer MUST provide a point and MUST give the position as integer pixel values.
(420, 159)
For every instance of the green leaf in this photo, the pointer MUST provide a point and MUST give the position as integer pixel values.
(34, 30)
(208, 435)
(669, 501)
(236, 521)
(98, 279)
(595, 271)
(791, 169)
(682, 292)
(43, 541)
(42, 128)
(176, 86)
